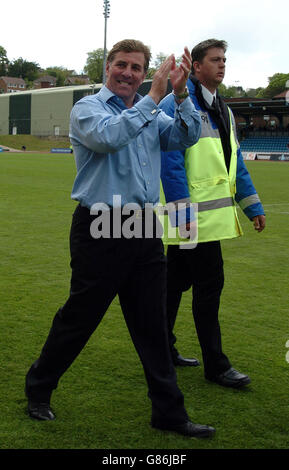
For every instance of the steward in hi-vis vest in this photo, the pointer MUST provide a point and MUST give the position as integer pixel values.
(211, 174)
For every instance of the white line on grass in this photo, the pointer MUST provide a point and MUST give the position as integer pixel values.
(277, 204)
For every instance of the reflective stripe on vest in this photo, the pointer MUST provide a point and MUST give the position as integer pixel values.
(215, 204)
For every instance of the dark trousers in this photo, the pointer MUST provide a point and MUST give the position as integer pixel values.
(202, 269)
(135, 269)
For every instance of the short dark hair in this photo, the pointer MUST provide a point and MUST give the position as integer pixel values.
(200, 50)
(130, 45)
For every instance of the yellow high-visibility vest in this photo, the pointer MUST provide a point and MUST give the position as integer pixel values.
(212, 188)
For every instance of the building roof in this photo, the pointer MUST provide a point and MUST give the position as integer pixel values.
(45, 78)
(15, 80)
(77, 78)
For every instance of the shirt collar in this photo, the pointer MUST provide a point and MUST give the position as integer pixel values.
(106, 94)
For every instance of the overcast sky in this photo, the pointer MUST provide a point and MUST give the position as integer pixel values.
(60, 33)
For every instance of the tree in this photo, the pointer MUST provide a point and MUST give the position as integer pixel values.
(160, 58)
(29, 71)
(60, 73)
(253, 92)
(3, 61)
(94, 65)
(231, 91)
(150, 73)
(277, 84)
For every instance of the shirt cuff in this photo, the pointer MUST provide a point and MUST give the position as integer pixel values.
(148, 108)
(187, 110)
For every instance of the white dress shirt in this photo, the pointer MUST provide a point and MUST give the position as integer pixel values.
(208, 96)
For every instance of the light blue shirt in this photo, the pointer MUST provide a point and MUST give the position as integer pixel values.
(117, 150)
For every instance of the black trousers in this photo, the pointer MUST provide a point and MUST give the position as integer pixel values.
(135, 270)
(202, 269)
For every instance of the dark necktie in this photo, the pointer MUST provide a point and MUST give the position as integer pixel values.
(215, 105)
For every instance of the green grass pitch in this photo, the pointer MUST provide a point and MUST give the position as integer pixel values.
(101, 402)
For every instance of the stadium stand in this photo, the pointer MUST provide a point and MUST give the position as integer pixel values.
(265, 144)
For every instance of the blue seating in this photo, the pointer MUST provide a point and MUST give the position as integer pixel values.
(265, 144)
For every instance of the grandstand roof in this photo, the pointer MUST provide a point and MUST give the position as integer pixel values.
(242, 99)
(254, 107)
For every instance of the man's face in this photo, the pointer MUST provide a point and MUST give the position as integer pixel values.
(125, 74)
(211, 70)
